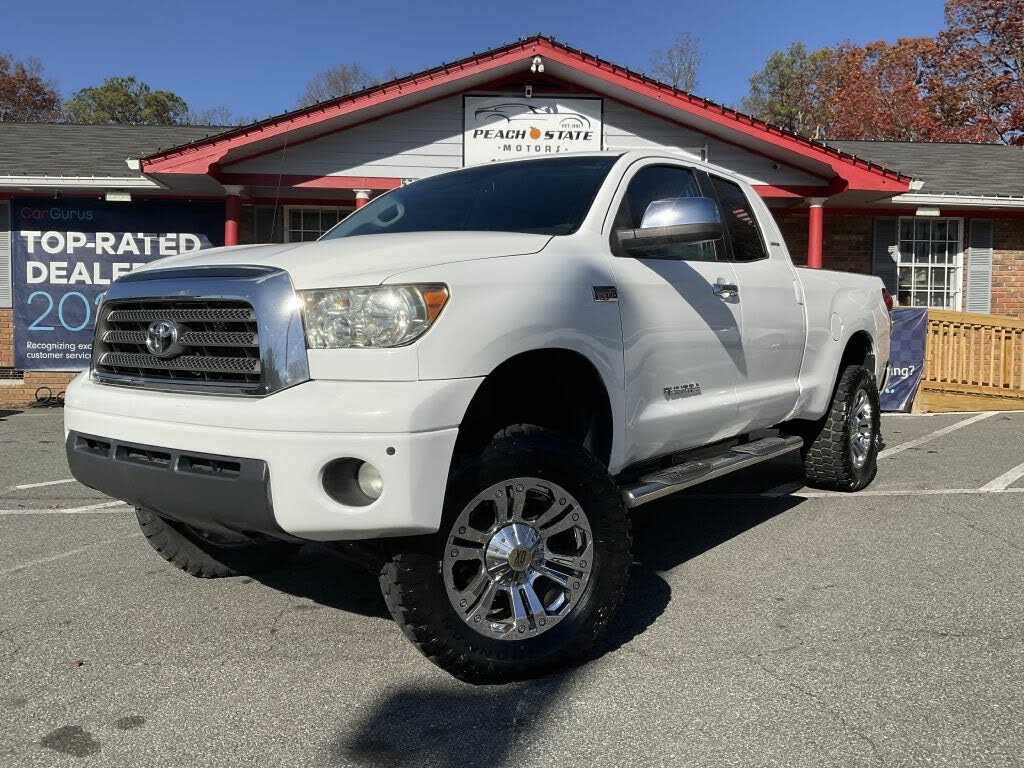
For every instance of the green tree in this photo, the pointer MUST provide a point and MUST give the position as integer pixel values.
(784, 92)
(126, 101)
(25, 95)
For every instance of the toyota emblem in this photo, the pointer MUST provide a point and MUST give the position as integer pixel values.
(162, 338)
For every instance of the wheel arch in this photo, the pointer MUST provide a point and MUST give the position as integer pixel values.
(859, 350)
(553, 387)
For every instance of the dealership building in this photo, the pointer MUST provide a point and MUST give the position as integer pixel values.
(941, 224)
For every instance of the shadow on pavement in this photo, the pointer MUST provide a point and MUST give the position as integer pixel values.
(323, 577)
(4, 414)
(459, 725)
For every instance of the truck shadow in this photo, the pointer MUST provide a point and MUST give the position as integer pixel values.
(449, 723)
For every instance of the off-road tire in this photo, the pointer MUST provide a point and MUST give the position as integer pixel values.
(828, 456)
(184, 549)
(413, 585)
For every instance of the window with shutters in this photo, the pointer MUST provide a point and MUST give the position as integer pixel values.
(307, 222)
(929, 263)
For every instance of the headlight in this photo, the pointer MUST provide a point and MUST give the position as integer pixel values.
(375, 316)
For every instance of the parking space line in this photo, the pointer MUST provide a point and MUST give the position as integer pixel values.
(62, 555)
(26, 486)
(1005, 479)
(105, 506)
(933, 435)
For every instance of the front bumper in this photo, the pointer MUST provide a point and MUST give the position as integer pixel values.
(406, 429)
(222, 494)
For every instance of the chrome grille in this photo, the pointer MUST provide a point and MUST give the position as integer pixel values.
(219, 340)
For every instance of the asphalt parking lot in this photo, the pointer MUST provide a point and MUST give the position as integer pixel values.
(764, 625)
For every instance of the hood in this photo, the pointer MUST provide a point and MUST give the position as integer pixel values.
(363, 260)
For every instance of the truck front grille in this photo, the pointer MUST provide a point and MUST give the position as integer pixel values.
(217, 342)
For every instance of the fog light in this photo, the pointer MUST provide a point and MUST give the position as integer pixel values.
(370, 481)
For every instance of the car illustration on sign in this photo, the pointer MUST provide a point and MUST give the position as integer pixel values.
(519, 111)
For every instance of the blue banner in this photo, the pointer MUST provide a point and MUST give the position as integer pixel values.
(66, 253)
(906, 356)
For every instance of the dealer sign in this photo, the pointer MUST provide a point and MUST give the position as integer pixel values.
(66, 253)
(503, 127)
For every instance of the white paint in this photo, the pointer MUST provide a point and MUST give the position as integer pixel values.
(41, 485)
(934, 435)
(65, 511)
(1006, 479)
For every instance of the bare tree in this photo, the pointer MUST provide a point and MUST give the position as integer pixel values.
(334, 82)
(219, 115)
(677, 65)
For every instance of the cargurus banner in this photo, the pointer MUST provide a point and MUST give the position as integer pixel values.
(906, 356)
(66, 253)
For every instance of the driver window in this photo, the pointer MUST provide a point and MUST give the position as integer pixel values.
(661, 182)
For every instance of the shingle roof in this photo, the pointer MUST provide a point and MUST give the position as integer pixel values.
(949, 168)
(52, 149)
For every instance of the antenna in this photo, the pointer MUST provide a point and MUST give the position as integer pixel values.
(277, 191)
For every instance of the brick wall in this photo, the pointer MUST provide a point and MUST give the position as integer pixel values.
(21, 393)
(846, 240)
(1008, 267)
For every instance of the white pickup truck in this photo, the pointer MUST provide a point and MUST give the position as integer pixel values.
(470, 381)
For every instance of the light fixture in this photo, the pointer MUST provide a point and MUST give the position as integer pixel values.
(537, 65)
(927, 211)
(115, 196)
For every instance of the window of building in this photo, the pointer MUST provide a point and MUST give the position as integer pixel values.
(738, 217)
(304, 223)
(929, 263)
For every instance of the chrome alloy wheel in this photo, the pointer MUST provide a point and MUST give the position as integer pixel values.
(862, 429)
(518, 558)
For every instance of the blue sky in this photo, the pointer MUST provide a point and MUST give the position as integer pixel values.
(255, 57)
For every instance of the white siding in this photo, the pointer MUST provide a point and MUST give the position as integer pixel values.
(412, 144)
(628, 128)
(427, 140)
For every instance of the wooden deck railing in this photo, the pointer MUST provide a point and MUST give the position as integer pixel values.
(974, 355)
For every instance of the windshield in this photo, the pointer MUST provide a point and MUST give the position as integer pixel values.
(545, 197)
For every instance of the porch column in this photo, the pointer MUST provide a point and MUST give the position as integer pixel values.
(815, 225)
(362, 197)
(232, 214)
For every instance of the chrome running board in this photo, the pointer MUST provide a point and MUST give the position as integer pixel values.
(655, 485)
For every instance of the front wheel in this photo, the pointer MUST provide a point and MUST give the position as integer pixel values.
(842, 453)
(207, 555)
(528, 568)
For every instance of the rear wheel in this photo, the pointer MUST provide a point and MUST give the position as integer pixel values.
(210, 555)
(529, 565)
(841, 453)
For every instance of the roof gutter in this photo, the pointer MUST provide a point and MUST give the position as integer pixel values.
(958, 201)
(79, 182)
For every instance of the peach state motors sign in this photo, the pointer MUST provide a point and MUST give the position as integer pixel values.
(503, 127)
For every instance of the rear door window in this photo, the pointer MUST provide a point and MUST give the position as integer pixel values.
(740, 221)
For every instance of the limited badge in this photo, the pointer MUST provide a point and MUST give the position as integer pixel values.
(606, 293)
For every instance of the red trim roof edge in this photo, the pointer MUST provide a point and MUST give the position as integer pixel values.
(500, 51)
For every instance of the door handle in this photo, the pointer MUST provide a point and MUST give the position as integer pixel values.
(725, 290)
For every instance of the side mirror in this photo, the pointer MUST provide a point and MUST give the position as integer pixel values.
(677, 220)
